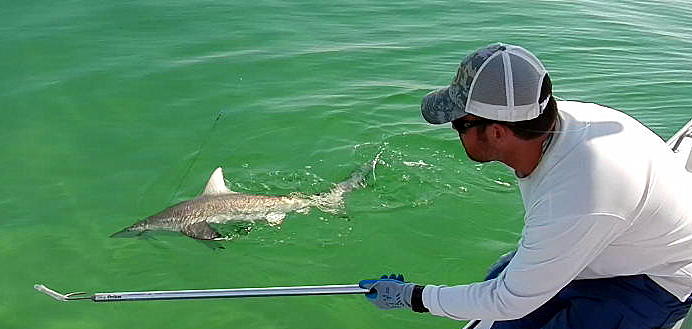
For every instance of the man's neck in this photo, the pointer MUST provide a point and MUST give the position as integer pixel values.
(525, 156)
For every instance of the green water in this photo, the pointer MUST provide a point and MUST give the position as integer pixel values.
(109, 112)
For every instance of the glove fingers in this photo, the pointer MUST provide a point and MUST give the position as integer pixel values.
(393, 276)
(367, 284)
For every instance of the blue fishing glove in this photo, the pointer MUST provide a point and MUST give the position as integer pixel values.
(392, 292)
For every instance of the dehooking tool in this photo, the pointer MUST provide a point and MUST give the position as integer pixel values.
(205, 293)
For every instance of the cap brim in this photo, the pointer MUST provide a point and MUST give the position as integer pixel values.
(437, 107)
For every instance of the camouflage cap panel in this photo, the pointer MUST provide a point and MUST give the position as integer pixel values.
(448, 104)
(470, 65)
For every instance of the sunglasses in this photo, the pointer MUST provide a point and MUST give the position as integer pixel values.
(461, 126)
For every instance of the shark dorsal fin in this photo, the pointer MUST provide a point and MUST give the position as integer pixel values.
(216, 184)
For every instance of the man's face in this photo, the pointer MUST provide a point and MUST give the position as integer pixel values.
(472, 134)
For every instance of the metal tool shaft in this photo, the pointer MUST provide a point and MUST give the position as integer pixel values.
(208, 293)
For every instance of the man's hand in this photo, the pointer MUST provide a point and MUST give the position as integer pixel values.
(391, 292)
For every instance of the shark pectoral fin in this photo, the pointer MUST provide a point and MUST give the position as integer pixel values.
(216, 184)
(201, 231)
(275, 218)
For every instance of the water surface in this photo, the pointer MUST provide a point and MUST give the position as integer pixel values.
(110, 115)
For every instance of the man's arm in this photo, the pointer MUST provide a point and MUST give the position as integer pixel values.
(551, 253)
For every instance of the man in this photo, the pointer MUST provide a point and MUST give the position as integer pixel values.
(607, 239)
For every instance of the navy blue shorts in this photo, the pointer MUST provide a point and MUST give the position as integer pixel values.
(625, 302)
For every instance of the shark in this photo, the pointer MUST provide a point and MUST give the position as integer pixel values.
(219, 205)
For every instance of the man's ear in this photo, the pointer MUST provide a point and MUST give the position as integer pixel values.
(499, 131)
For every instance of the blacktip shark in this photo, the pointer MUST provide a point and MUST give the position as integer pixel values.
(219, 205)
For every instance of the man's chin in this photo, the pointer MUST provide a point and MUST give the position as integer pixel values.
(476, 159)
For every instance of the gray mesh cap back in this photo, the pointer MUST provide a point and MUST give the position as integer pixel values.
(499, 82)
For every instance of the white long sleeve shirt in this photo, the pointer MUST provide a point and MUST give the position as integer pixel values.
(605, 200)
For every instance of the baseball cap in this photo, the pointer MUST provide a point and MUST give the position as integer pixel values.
(499, 82)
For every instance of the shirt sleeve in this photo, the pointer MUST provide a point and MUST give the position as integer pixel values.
(551, 253)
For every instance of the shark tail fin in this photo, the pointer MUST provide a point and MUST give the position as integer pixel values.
(333, 201)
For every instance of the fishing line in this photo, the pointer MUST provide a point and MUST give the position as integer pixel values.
(201, 146)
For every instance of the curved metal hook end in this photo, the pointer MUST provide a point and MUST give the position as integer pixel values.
(60, 297)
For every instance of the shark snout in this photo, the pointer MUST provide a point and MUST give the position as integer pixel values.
(126, 233)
